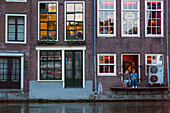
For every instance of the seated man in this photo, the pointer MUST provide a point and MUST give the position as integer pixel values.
(126, 79)
(133, 77)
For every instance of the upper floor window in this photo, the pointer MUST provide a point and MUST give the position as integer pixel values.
(106, 64)
(15, 28)
(48, 21)
(16, 0)
(106, 18)
(154, 18)
(74, 21)
(130, 18)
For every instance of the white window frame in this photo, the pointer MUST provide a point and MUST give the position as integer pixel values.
(39, 18)
(39, 48)
(106, 74)
(98, 16)
(158, 55)
(162, 21)
(21, 55)
(6, 29)
(138, 1)
(65, 11)
(16, 1)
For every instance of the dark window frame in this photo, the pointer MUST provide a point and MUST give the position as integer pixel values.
(47, 61)
(74, 12)
(16, 29)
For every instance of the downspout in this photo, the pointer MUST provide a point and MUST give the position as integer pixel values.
(167, 41)
(95, 77)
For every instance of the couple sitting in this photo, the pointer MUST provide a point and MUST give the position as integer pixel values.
(128, 79)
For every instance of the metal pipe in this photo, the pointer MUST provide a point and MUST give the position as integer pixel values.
(167, 41)
(95, 77)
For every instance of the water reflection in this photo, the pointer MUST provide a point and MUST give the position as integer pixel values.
(107, 107)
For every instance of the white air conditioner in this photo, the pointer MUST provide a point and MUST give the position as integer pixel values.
(156, 74)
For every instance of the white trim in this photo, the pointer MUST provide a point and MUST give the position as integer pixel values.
(139, 76)
(6, 29)
(38, 64)
(138, 18)
(84, 68)
(12, 54)
(21, 55)
(162, 19)
(65, 7)
(39, 17)
(106, 74)
(16, 1)
(63, 68)
(114, 10)
(61, 48)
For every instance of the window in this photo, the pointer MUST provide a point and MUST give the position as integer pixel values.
(130, 18)
(16, 0)
(152, 59)
(106, 64)
(154, 18)
(50, 65)
(106, 18)
(16, 28)
(74, 21)
(48, 21)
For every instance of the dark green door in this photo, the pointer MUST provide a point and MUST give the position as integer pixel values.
(73, 69)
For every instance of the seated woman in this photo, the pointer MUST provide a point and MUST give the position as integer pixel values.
(133, 77)
(126, 79)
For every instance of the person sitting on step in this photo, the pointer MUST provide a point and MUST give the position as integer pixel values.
(133, 77)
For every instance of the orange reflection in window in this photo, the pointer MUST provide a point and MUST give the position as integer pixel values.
(149, 59)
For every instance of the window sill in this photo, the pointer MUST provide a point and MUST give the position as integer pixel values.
(109, 36)
(106, 75)
(10, 42)
(47, 41)
(49, 80)
(154, 36)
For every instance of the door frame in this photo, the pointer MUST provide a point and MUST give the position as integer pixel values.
(21, 55)
(138, 64)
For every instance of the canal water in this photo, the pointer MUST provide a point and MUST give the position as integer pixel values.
(103, 107)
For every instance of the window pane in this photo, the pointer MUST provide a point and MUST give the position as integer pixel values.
(79, 7)
(78, 25)
(154, 59)
(112, 59)
(20, 28)
(70, 25)
(43, 25)
(11, 36)
(154, 5)
(43, 7)
(52, 34)
(106, 59)
(11, 28)
(52, 26)
(51, 7)
(79, 34)
(20, 20)
(11, 20)
(101, 59)
(111, 68)
(70, 17)
(149, 59)
(149, 5)
(78, 17)
(52, 17)
(43, 17)
(106, 5)
(158, 5)
(43, 34)
(70, 7)
(106, 68)
(101, 69)
(20, 36)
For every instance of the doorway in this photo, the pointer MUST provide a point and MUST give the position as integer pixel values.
(131, 61)
(74, 69)
(10, 73)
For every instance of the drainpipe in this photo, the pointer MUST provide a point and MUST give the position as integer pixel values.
(167, 41)
(95, 77)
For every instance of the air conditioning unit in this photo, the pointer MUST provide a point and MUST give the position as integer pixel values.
(156, 74)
